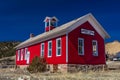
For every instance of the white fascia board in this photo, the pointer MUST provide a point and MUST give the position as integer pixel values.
(100, 26)
(96, 25)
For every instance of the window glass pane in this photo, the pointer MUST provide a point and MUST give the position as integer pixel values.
(95, 52)
(52, 24)
(42, 46)
(59, 44)
(49, 52)
(49, 45)
(47, 23)
(58, 48)
(94, 43)
(50, 48)
(59, 51)
(81, 43)
(42, 49)
(80, 49)
(80, 46)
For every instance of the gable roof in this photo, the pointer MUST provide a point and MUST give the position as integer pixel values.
(64, 29)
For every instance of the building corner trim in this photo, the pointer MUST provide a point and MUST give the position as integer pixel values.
(66, 47)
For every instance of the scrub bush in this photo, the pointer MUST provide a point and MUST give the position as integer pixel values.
(38, 64)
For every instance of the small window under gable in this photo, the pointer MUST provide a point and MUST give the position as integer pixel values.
(49, 48)
(42, 50)
(95, 47)
(80, 46)
(58, 47)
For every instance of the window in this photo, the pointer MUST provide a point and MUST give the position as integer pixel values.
(95, 48)
(47, 24)
(52, 23)
(18, 55)
(42, 50)
(80, 46)
(49, 48)
(26, 50)
(22, 54)
(58, 47)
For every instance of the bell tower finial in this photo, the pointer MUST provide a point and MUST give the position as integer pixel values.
(50, 23)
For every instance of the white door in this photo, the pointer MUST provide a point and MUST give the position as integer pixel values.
(28, 57)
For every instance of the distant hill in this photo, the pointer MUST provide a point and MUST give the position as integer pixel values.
(113, 47)
(7, 48)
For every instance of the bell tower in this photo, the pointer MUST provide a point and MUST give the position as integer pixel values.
(50, 23)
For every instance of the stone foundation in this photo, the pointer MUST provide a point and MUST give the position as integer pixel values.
(64, 68)
(74, 68)
(85, 68)
(22, 66)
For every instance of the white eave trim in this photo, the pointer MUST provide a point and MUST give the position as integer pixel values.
(98, 28)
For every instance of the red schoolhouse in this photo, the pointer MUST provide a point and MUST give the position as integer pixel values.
(80, 41)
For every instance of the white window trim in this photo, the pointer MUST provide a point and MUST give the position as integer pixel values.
(96, 47)
(82, 46)
(26, 50)
(28, 57)
(58, 47)
(49, 49)
(18, 55)
(42, 50)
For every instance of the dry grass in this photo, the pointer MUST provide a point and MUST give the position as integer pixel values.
(106, 75)
(101, 75)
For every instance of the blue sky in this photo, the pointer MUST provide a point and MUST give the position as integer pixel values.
(19, 18)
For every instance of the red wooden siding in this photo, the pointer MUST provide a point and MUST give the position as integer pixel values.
(35, 50)
(56, 59)
(49, 28)
(17, 57)
(20, 62)
(87, 58)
